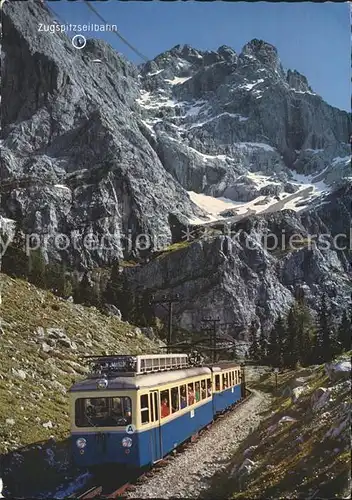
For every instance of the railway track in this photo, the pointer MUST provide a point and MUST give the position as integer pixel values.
(117, 490)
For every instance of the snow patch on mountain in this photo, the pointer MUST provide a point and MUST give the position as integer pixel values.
(217, 117)
(155, 73)
(178, 80)
(251, 145)
(261, 180)
(249, 86)
(338, 159)
(308, 181)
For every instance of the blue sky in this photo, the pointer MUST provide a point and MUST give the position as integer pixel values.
(312, 38)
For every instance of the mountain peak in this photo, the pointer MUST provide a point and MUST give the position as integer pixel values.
(297, 81)
(227, 53)
(263, 52)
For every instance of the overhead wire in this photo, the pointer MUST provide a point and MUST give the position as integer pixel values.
(122, 38)
(56, 15)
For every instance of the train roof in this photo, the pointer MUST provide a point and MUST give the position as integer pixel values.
(141, 381)
(224, 365)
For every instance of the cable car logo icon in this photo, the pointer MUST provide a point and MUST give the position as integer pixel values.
(130, 429)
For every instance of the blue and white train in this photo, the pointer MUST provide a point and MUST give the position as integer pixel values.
(134, 410)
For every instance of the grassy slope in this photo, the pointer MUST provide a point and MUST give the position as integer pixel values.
(41, 397)
(295, 459)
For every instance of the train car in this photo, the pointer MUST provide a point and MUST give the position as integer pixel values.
(134, 410)
(227, 385)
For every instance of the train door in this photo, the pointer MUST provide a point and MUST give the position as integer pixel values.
(155, 434)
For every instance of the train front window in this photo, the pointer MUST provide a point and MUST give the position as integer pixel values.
(103, 412)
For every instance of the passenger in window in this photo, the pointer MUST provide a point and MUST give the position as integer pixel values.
(183, 398)
(190, 394)
(165, 410)
(203, 390)
(174, 399)
(209, 388)
(197, 391)
(217, 383)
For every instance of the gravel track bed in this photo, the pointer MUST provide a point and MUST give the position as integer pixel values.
(191, 471)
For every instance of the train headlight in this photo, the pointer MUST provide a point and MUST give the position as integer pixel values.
(102, 383)
(81, 443)
(127, 442)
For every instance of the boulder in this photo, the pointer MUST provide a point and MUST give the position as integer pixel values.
(296, 393)
(295, 382)
(56, 333)
(319, 398)
(21, 374)
(113, 311)
(286, 419)
(338, 371)
(249, 451)
(338, 428)
(66, 342)
(148, 331)
(48, 425)
(40, 333)
(246, 467)
(46, 348)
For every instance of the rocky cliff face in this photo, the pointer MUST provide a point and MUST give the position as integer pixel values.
(74, 158)
(94, 147)
(245, 278)
(214, 116)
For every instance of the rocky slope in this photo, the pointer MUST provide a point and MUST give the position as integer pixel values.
(42, 338)
(94, 147)
(302, 447)
(74, 159)
(218, 117)
(240, 281)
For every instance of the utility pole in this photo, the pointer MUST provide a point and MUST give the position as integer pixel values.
(167, 303)
(233, 342)
(213, 330)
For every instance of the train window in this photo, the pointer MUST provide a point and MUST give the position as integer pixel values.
(156, 406)
(224, 381)
(217, 382)
(197, 391)
(232, 379)
(203, 389)
(183, 396)
(144, 409)
(151, 408)
(164, 403)
(103, 412)
(236, 377)
(190, 389)
(175, 404)
(209, 388)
